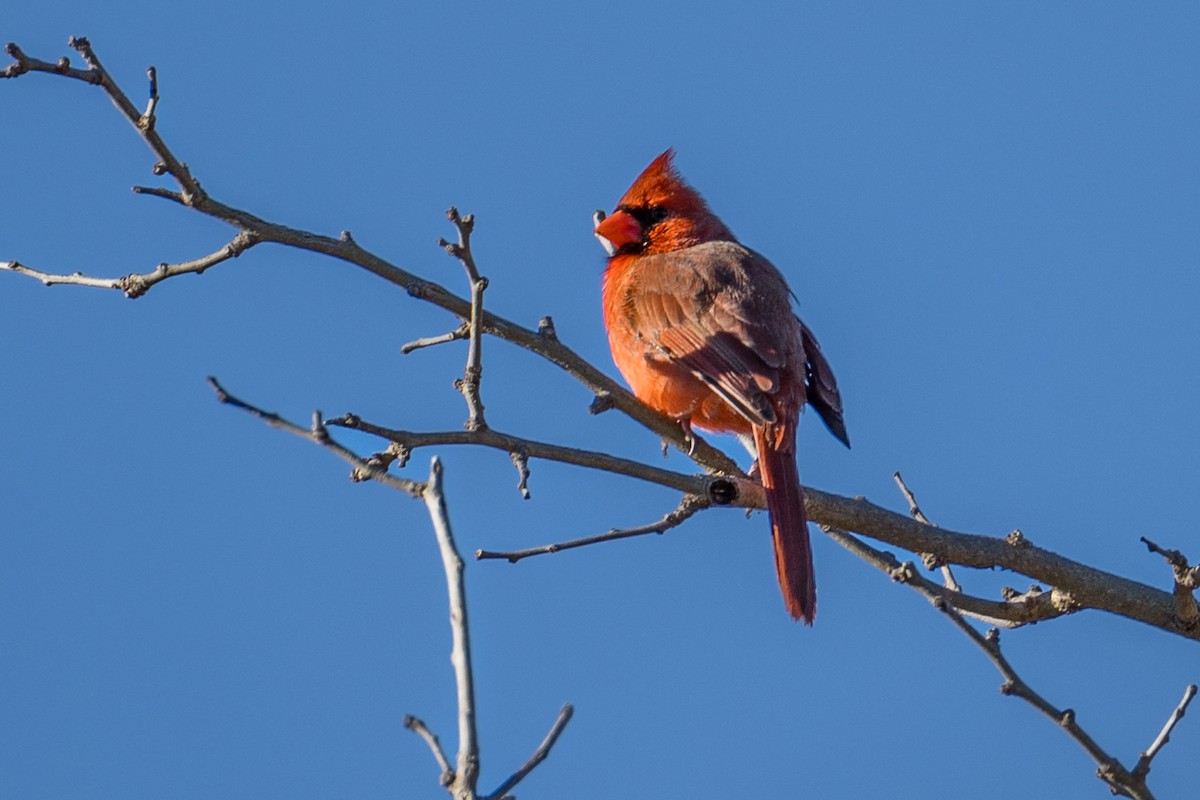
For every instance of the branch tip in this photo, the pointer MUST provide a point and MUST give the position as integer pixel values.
(603, 401)
(520, 460)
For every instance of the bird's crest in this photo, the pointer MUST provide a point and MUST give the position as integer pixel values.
(686, 218)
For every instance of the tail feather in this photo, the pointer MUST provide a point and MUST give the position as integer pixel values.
(789, 525)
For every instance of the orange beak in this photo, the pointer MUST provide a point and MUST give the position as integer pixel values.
(620, 229)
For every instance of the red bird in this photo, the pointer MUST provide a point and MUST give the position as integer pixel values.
(702, 329)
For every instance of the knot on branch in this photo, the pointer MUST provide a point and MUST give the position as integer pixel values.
(546, 329)
(372, 465)
(722, 492)
(907, 573)
(401, 452)
(1017, 539)
(134, 286)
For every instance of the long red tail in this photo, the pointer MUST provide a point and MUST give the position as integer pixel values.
(789, 526)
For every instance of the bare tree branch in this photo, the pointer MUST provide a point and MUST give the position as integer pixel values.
(344, 248)
(1008, 613)
(1086, 586)
(466, 772)
(1079, 586)
(317, 434)
(138, 285)
(1089, 587)
(948, 601)
(1108, 769)
(462, 779)
(48, 279)
(687, 508)
(473, 373)
(530, 448)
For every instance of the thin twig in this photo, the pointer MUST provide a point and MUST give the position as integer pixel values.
(466, 773)
(461, 332)
(1187, 579)
(135, 285)
(1142, 768)
(1108, 769)
(539, 755)
(48, 279)
(317, 434)
(159, 191)
(418, 727)
(915, 511)
(23, 64)
(687, 508)
(147, 120)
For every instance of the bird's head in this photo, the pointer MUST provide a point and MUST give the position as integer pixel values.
(658, 214)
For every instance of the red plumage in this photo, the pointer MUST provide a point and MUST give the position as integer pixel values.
(702, 329)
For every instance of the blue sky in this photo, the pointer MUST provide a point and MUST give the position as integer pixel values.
(988, 212)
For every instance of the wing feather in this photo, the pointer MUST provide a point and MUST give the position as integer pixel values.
(721, 311)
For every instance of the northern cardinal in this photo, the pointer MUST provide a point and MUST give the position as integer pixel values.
(702, 329)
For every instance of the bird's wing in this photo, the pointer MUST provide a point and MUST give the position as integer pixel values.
(823, 392)
(722, 312)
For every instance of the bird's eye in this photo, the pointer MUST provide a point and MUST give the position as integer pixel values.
(646, 215)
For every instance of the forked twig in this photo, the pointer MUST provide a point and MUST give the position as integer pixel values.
(472, 377)
(317, 434)
(1187, 579)
(919, 516)
(462, 779)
